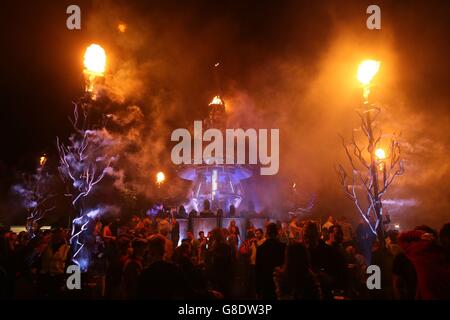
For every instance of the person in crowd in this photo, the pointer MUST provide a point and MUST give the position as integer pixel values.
(207, 213)
(284, 233)
(161, 280)
(107, 232)
(54, 260)
(181, 213)
(322, 263)
(294, 229)
(117, 255)
(249, 226)
(233, 230)
(259, 240)
(392, 242)
(255, 241)
(133, 268)
(182, 256)
(364, 239)
(356, 265)
(98, 228)
(175, 231)
(202, 247)
(195, 249)
(404, 277)
(245, 250)
(220, 263)
(232, 211)
(164, 230)
(294, 280)
(331, 221)
(430, 260)
(347, 230)
(337, 267)
(269, 255)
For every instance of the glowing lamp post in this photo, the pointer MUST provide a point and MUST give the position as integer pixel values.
(94, 65)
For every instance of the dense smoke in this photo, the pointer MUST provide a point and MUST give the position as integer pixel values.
(290, 67)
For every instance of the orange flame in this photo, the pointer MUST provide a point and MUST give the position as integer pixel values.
(42, 160)
(122, 27)
(160, 177)
(216, 100)
(95, 60)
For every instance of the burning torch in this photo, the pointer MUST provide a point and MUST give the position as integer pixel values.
(94, 66)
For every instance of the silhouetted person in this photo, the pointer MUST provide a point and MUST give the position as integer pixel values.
(232, 211)
(162, 280)
(207, 213)
(337, 265)
(220, 262)
(431, 262)
(175, 232)
(132, 269)
(182, 213)
(269, 255)
(219, 216)
(295, 280)
(321, 258)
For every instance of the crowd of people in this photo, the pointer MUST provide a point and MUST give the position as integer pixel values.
(144, 258)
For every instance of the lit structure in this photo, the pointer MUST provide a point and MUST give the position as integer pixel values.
(218, 183)
(373, 169)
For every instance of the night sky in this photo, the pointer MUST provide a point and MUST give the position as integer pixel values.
(285, 64)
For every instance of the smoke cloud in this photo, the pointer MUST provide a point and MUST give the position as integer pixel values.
(292, 66)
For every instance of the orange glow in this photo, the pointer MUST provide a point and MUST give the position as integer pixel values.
(216, 100)
(160, 177)
(42, 160)
(367, 70)
(380, 154)
(95, 60)
(122, 27)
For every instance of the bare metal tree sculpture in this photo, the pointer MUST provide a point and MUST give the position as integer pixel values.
(372, 171)
(37, 192)
(84, 162)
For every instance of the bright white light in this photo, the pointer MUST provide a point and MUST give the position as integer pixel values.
(95, 59)
(367, 70)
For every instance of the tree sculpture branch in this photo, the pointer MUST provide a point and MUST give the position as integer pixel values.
(362, 176)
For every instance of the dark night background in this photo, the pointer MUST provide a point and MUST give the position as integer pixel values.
(286, 59)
